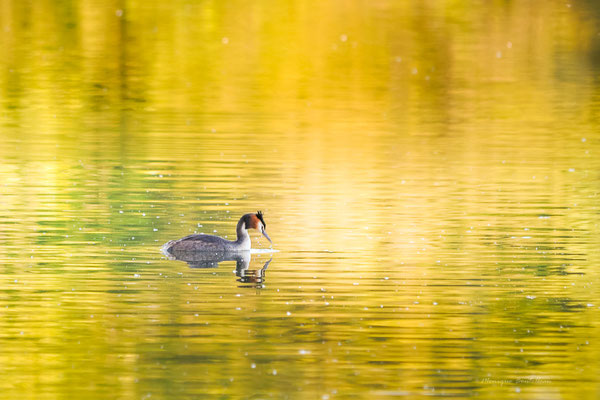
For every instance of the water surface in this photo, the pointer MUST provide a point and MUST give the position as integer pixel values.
(429, 173)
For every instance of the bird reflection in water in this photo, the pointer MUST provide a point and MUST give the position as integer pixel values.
(252, 277)
(211, 259)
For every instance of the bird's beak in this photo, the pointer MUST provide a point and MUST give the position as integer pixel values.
(262, 230)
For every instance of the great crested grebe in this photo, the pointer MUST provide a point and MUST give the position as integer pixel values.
(199, 242)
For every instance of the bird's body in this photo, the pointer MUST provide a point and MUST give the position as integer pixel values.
(200, 242)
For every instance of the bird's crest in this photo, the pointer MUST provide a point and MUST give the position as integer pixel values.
(259, 214)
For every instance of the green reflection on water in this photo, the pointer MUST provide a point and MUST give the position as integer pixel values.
(428, 171)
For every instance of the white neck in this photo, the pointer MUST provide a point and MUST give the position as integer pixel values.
(243, 238)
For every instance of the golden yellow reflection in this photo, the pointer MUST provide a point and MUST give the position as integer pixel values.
(428, 172)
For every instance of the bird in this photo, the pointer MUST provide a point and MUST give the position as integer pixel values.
(201, 242)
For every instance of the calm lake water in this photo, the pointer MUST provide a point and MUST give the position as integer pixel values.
(429, 173)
